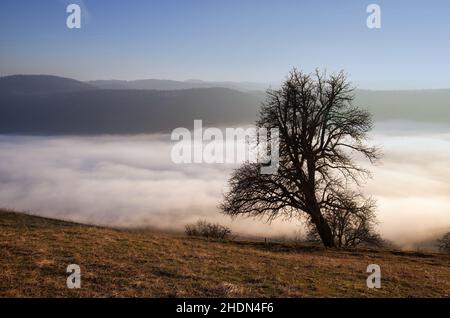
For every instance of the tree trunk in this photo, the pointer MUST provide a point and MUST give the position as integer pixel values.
(322, 226)
(324, 230)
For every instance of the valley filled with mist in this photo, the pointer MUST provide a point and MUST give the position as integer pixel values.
(99, 152)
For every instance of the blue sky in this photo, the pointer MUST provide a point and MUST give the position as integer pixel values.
(238, 40)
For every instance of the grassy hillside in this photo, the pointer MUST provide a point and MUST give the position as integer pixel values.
(36, 251)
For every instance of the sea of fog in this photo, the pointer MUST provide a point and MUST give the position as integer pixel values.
(132, 181)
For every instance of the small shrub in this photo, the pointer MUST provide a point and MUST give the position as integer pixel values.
(208, 230)
(444, 243)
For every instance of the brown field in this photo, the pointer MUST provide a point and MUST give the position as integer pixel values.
(35, 251)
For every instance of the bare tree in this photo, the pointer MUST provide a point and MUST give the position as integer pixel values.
(320, 131)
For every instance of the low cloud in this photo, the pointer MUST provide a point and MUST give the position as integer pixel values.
(116, 181)
(131, 181)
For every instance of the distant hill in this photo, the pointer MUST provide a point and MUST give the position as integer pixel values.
(160, 84)
(40, 85)
(124, 111)
(40, 104)
(432, 105)
(143, 263)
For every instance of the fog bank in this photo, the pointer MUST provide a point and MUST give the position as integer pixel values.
(131, 181)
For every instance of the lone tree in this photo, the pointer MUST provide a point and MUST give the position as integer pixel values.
(320, 132)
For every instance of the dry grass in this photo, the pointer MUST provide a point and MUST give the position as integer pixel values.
(35, 251)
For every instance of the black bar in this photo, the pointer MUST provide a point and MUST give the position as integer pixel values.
(223, 306)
